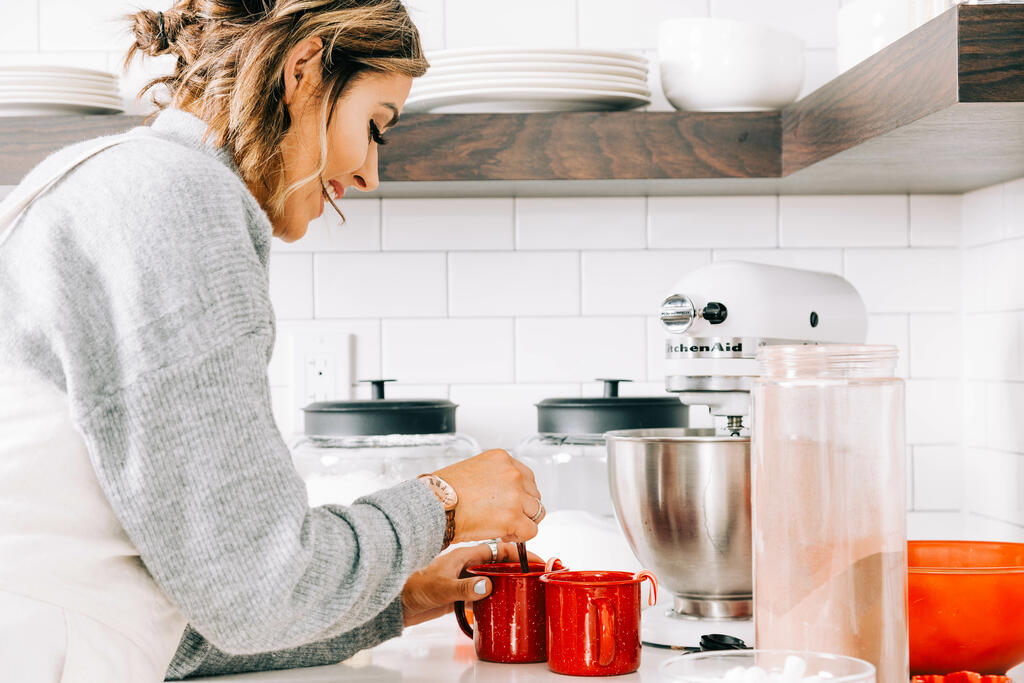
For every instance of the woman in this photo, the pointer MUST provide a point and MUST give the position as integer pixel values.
(148, 505)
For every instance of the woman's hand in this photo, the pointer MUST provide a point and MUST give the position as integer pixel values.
(430, 592)
(498, 498)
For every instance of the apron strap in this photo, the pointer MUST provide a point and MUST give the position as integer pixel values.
(15, 205)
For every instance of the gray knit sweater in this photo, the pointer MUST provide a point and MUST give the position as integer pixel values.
(138, 285)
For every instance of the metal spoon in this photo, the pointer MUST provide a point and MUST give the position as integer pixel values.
(523, 564)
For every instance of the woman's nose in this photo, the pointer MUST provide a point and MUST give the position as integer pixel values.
(366, 178)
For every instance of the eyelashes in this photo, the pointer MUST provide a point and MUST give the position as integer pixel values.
(376, 135)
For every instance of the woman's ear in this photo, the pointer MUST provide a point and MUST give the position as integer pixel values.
(302, 69)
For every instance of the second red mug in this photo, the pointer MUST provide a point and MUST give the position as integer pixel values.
(509, 623)
(593, 621)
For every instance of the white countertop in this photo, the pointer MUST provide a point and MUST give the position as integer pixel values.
(434, 651)
(438, 651)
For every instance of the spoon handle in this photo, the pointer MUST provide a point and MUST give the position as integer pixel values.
(523, 564)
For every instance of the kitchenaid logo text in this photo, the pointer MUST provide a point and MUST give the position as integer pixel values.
(703, 348)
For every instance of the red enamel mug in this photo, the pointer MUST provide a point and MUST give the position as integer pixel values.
(509, 623)
(593, 621)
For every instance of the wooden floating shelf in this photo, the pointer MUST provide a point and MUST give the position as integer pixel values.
(940, 110)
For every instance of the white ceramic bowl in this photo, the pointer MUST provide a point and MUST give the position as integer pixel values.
(710, 64)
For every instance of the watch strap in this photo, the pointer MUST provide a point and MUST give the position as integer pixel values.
(449, 528)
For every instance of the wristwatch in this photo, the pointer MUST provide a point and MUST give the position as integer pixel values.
(448, 499)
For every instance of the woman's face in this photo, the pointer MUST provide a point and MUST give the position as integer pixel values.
(369, 106)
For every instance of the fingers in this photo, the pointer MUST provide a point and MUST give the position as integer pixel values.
(534, 509)
(471, 555)
(507, 552)
(471, 590)
(521, 531)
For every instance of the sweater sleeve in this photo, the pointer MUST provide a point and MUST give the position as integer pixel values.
(157, 307)
(196, 656)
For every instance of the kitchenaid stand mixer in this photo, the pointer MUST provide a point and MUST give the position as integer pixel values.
(683, 496)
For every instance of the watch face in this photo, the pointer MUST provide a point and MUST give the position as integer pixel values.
(443, 490)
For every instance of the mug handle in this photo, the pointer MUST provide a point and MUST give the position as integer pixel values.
(652, 597)
(549, 566)
(601, 629)
(460, 610)
(460, 616)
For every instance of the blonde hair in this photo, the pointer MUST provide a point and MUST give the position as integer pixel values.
(230, 69)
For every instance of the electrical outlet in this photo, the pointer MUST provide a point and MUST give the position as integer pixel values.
(321, 371)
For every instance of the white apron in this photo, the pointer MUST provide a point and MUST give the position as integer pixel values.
(76, 603)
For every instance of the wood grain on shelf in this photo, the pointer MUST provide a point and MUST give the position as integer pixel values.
(991, 52)
(910, 79)
(583, 146)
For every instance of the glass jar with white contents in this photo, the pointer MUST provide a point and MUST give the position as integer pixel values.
(353, 448)
(569, 459)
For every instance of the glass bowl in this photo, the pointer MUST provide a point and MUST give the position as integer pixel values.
(708, 667)
(966, 606)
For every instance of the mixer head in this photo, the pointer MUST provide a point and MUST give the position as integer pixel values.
(720, 314)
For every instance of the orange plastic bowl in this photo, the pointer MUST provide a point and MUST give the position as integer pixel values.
(966, 606)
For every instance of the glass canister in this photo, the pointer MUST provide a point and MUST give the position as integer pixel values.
(829, 484)
(352, 448)
(568, 455)
(569, 459)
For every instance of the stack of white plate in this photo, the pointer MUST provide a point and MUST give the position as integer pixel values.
(52, 90)
(530, 80)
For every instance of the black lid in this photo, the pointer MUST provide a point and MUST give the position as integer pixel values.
(379, 416)
(600, 415)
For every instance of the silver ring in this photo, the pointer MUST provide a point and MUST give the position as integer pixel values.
(540, 512)
(493, 545)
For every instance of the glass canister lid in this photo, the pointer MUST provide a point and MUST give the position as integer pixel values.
(597, 415)
(379, 416)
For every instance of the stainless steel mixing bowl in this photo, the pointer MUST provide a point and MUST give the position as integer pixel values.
(683, 499)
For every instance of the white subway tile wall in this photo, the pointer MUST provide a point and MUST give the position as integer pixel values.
(935, 220)
(580, 222)
(513, 283)
(688, 222)
(19, 26)
(449, 350)
(993, 355)
(843, 221)
(892, 329)
(291, 286)
(448, 224)
(579, 349)
(359, 232)
(826, 260)
(812, 20)
(428, 15)
(626, 282)
(906, 280)
(492, 23)
(399, 284)
(605, 25)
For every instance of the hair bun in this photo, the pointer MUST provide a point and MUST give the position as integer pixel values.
(158, 33)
